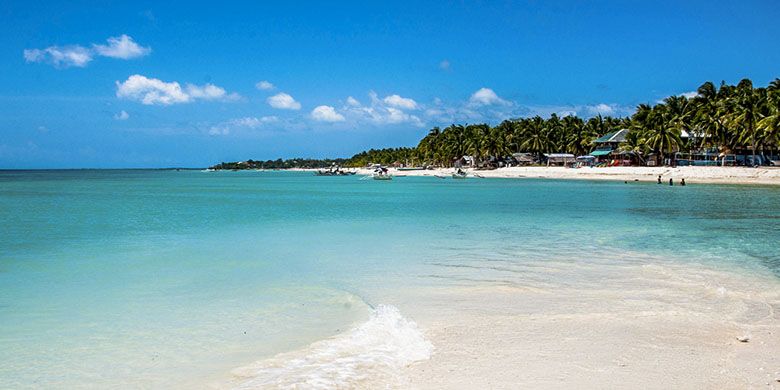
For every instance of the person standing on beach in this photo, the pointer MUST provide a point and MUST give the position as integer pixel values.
(671, 183)
(682, 181)
(659, 179)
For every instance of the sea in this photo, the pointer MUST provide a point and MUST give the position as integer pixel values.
(161, 279)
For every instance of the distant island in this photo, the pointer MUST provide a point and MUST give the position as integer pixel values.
(725, 125)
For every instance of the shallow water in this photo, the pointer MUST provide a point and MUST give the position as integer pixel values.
(163, 279)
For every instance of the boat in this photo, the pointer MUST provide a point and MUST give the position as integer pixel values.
(382, 176)
(381, 173)
(335, 170)
(459, 174)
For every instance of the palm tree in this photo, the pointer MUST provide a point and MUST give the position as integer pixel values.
(770, 124)
(745, 114)
(536, 137)
(660, 133)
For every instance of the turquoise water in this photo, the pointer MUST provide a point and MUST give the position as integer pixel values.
(160, 279)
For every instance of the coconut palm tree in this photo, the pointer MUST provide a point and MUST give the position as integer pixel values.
(661, 135)
(745, 114)
(536, 137)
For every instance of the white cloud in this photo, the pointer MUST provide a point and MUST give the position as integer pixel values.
(326, 114)
(250, 122)
(486, 97)
(400, 102)
(395, 115)
(601, 109)
(60, 57)
(152, 91)
(353, 102)
(690, 95)
(253, 122)
(380, 111)
(209, 92)
(122, 116)
(283, 101)
(584, 111)
(444, 65)
(122, 47)
(264, 85)
(565, 113)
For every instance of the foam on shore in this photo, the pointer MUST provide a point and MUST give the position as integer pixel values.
(372, 354)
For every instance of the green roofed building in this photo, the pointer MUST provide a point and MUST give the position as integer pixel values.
(608, 143)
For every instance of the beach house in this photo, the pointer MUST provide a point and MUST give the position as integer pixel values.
(608, 143)
(607, 151)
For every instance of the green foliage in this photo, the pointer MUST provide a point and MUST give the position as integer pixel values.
(280, 164)
(730, 117)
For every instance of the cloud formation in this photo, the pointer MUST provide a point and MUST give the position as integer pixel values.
(122, 116)
(487, 97)
(600, 109)
(225, 128)
(326, 114)
(60, 57)
(400, 102)
(352, 102)
(121, 47)
(387, 111)
(151, 91)
(264, 85)
(283, 101)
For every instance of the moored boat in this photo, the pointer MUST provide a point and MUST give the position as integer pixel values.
(381, 173)
(459, 174)
(335, 170)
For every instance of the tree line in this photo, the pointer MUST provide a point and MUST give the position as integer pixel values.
(730, 118)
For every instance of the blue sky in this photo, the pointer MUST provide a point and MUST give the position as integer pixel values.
(145, 84)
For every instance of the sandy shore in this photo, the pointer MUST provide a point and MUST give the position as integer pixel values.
(649, 327)
(721, 175)
(628, 322)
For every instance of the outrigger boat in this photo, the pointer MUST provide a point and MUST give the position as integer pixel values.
(381, 174)
(334, 170)
(459, 174)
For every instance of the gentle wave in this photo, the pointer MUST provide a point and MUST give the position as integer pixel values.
(370, 355)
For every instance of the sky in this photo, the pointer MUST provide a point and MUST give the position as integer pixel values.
(163, 84)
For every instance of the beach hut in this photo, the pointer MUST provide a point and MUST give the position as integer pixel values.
(585, 161)
(524, 158)
(565, 159)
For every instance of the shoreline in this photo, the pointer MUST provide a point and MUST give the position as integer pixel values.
(692, 175)
(654, 324)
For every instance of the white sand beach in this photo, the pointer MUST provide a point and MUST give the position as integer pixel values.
(720, 175)
(623, 322)
(667, 332)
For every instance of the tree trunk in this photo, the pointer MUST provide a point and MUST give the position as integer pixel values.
(753, 143)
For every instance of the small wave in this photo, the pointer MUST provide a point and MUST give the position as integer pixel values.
(370, 355)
